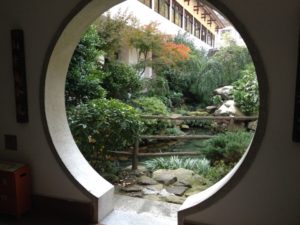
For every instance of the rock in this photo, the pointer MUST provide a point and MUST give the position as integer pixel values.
(132, 188)
(171, 176)
(165, 193)
(163, 176)
(147, 191)
(153, 197)
(252, 125)
(174, 199)
(225, 92)
(144, 180)
(135, 194)
(198, 113)
(152, 189)
(140, 168)
(228, 109)
(184, 127)
(177, 190)
(183, 175)
(184, 183)
(211, 109)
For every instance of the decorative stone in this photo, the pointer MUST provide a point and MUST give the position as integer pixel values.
(211, 108)
(152, 189)
(225, 92)
(174, 199)
(165, 193)
(252, 125)
(132, 188)
(144, 180)
(163, 176)
(184, 183)
(228, 109)
(147, 191)
(135, 194)
(177, 190)
(184, 127)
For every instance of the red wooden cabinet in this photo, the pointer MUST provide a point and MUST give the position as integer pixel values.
(15, 188)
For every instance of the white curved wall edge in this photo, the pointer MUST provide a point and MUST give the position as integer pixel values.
(97, 188)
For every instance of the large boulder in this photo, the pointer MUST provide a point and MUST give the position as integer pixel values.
(144, 180)
(228, 108)
(225, 92)
(163, 176)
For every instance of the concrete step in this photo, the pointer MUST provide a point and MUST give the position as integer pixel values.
(137, 211)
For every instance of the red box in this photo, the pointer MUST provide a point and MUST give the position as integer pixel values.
(15, 188)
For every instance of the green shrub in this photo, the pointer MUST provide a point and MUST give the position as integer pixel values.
(121, 81)
(245, 92)
(173, 131)
(229, 146)
(84, 77)
(152, 106)
(200, 166)
(103, 125)
(217, 171)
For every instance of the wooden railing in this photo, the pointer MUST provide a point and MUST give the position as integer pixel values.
(135, 154)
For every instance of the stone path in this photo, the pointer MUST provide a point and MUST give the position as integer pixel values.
(137, 211)
(172, 186)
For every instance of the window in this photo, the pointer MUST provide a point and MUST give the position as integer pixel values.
(209, 38)
(146, 2)
(203, 33)
(197, 29)
(162, 7)
(188, 26)
(177, 14)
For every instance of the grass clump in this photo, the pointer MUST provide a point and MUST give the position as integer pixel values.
(200, 166)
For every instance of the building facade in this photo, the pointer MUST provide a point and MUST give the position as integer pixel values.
(198, 21)
(173, 16)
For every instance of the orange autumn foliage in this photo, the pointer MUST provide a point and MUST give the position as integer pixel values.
(173, 53)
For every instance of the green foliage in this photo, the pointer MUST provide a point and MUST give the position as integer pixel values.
(229, 146)
(159, 87)
(147, 40)
(174, 131)
(152, 106)
(218, 171)
(245, 91)
(112, 30)
(84, 76)
(103, 125)
(121, 81)
(217, 100)
(200, 166)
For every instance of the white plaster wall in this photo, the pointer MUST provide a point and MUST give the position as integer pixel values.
(268, 194)
(40, 22)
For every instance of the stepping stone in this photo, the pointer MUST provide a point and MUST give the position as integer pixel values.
(144, 180)
(174, 199)
(132, 188)
(135, 194)
(162, 176)
(152, 189)
(177, 190)
(183, 183)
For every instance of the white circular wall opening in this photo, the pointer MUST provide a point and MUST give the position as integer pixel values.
(99, 189)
